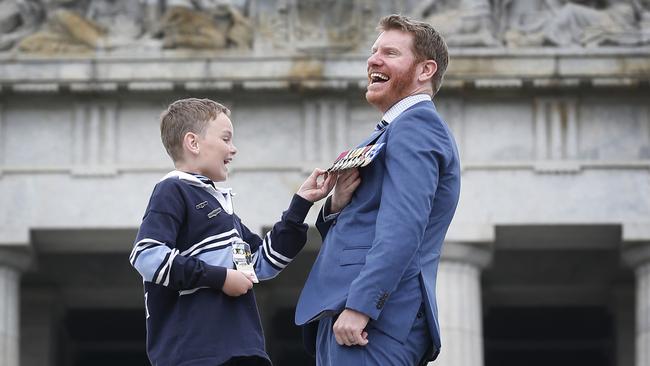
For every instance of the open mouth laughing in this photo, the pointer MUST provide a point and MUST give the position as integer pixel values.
(378, 77)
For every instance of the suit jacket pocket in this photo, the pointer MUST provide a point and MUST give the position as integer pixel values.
(353, 255)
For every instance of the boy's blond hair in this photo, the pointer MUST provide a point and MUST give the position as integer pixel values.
(183, 116)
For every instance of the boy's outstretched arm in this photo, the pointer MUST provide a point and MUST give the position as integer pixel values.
(289, 235)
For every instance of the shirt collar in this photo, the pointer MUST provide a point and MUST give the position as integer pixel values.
(203, 179)
(404, 104)
(196, 181)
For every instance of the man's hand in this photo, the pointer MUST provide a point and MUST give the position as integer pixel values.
(237, 283)
(347, 182)
(349, 328)
(312, 190)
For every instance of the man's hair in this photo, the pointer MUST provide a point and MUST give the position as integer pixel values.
(183, 116)
(428, 44)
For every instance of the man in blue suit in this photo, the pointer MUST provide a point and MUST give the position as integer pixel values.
(370, 297)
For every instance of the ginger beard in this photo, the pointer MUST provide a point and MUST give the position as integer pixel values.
(384, 94)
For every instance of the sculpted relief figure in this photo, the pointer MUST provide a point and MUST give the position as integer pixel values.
(122, 20)
(520, 16)
(74, 26)
(314, 26)
(643, 7)
(572, 23)
(336, 25)
(462, 22)
(241, 28)
(204, 24)
(18, 18)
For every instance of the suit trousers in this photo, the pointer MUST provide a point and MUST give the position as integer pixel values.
(381, 350)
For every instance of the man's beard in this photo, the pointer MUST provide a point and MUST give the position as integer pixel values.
(400, 89)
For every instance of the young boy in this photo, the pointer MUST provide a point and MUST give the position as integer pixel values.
(199, 310)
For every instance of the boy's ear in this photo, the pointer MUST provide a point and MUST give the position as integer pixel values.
(191, 143)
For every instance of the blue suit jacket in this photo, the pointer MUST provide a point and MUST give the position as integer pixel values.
(380, 256)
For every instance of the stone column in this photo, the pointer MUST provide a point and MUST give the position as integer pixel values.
(643, 314)
(12, 262)
(459, 303)
(41, 308)
(638, 256)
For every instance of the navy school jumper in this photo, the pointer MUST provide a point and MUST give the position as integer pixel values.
(183, 250)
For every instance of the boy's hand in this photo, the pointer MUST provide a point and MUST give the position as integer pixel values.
(347, 182)
(312, 190)
(237, 283)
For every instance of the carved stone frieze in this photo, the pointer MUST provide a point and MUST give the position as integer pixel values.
(54, 27)
(537, 23)
(77, 26)
(586, 23)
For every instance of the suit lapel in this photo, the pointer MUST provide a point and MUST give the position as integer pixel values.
(372, 138)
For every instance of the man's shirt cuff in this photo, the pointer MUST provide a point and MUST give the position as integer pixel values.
(325, 211)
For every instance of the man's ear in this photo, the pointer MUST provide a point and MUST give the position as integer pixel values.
(191, 143)
(429, 68)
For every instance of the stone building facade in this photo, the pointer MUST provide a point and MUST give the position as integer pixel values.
(547, 260)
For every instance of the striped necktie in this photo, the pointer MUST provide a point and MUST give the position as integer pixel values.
(381, 125)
